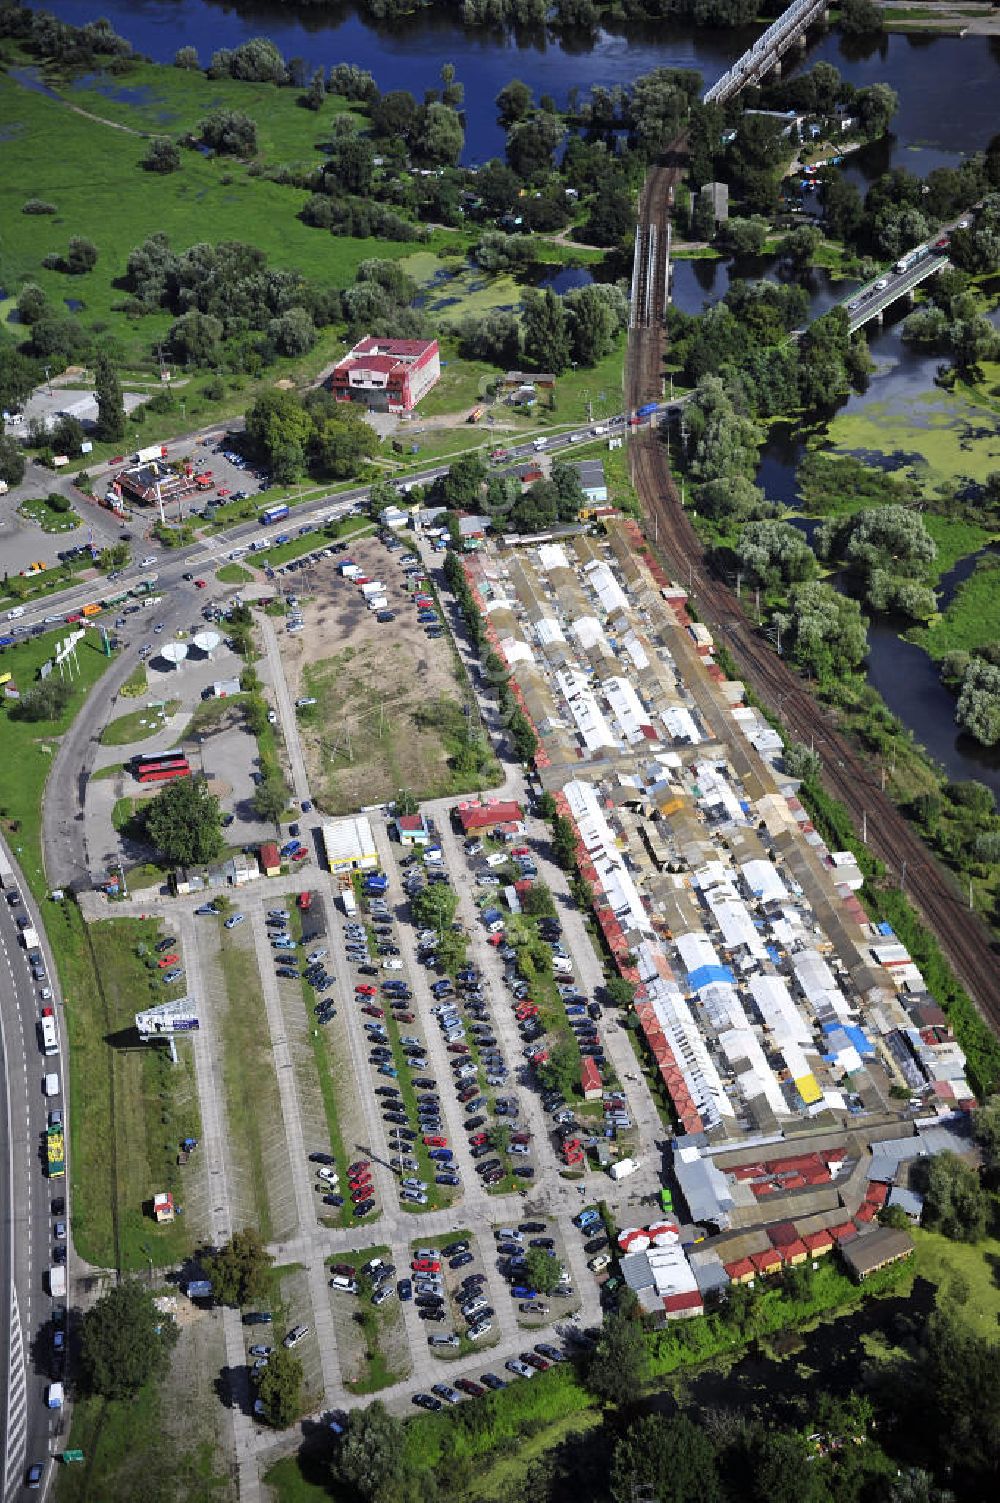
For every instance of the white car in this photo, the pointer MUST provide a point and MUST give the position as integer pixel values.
(272, 718)
(515, 1365)
(148, 561)
(237, 918)
(307, 699)
(392, 964)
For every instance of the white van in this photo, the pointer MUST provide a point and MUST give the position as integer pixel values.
(16, 613)
(539, 443)
(51, 1084)
(342, 1282)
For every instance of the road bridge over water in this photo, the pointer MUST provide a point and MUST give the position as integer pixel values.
(765, 55)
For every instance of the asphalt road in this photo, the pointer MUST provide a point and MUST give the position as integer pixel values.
(29, 1428)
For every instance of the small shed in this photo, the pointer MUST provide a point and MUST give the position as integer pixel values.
(876, 1250)
(270, 861)
(412, 829)
(163, 1206)
(590, 1080)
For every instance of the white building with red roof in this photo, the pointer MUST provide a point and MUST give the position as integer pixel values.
(387, 375)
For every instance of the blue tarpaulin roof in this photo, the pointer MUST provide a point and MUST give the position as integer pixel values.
(705, 975)
(885, 929)
(853, 1035)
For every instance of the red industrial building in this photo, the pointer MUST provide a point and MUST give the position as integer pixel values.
(387, 375)
(478, 817)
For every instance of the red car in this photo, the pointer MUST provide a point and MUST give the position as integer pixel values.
(360, 579)
(520, 1137)
(435, 1141)
(364, 990)
(167, 960)
(358, 1165)
(299, 855)
(524, 1013)
(362, 1182)
(374, 1012)
(479, 1139)
(71, 619)
(223, 490)
(521, 850)
(404, 1017)
(426, 1265)
(458, 1048)
(200, 584)
(363, 1192)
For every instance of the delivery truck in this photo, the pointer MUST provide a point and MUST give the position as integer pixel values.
(623, 1168)
(29, 939)
(57, 1280)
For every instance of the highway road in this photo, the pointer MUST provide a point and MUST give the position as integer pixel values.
(30, 1430)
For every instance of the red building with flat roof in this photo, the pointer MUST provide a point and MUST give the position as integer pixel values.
(387, 375)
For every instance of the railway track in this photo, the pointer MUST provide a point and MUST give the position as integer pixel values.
(848, 776)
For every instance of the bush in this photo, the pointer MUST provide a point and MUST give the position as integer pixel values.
(37, 206)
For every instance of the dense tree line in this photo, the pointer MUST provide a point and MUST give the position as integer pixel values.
(230, 306)
(45, 36)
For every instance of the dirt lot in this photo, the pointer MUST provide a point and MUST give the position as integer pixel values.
(389, 712)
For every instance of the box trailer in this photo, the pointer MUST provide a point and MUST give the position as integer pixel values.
(623, 1168)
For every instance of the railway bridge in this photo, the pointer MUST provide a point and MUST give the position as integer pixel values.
(765, 55)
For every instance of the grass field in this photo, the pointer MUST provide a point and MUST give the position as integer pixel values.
(972, 619)
(171, 1432)
(129, 1106)
(96, 166)
(37, 509)
(137, 725)
(252, 1102)
(27, 748)
(234, 574)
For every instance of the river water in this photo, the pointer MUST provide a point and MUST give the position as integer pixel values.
(948, 90)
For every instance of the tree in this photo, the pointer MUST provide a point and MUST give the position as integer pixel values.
(294, 332)
(164, 155)
(196, 339)
(860, 18)
(774, 552)
(798, 247)
(564, 842)
(280, 1388)
(620, 992)
(672, 1456)
(801, 761)
(434, 906)
(617, 1368)
(370, 1463)
(110, 406)
(531, 144)
(238, 1270)
(229, 132)
(460, 488)
(12, 463)
(978, 708)
(258, 61)
(513, 102)
(125, 1342)
(875, 106)
(186, 57)
(824, 631)
(955, 1202)
(595, 320)
(81, 256)
(270, 798)
(316, 93)
(537, 901)
(744, 237)
(986, 1131)
(541, 1271)
(438, 136)
(183, 823)
(546, 336)
(44, 701)
(561, 1071)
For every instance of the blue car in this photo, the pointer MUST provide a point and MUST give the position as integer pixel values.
(447, 1179)
(521, 1291)
(441, 1155)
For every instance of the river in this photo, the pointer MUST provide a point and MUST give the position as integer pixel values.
(947, 87)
